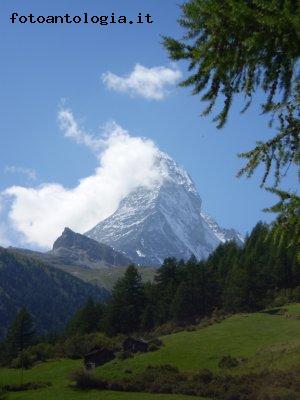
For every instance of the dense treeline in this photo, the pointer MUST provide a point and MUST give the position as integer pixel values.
(265, 271)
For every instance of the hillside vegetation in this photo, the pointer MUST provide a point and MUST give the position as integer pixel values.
(262, 341)
(52, 296)
(105, 277)
(57, 373)
(217, 328)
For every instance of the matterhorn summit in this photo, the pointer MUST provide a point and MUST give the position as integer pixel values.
(164, 220)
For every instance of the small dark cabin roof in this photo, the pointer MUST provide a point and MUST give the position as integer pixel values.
(95, 350)
(136, 340)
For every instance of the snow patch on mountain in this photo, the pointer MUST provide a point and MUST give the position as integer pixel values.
(224, 235)
(163, 221)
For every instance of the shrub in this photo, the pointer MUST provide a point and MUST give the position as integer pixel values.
(115, 386)
(2, 394)
(77, 346)
(168, 379)
(25, 360)
(87, 380)
(167, 329)
(155, 344)
(128, 371)
(296, 294)
(26, 386)
(279, 395)
(204, 376)
(153, 347)
(285, 296)
(155, 379)
(228, 362)
(32, 355)
(42, 351)
(123, 355)
(217, 316)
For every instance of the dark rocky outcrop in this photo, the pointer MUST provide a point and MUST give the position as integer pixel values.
(76, 249)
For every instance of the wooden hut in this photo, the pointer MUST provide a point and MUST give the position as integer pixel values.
(134, 345)
(98, 356)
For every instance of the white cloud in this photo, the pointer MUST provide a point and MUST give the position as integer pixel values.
(125, 162)
(29, 173)
(71, 129)
(150, 83)
(4, 242)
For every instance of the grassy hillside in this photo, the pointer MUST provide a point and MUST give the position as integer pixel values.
(268, 340)
(292, 310)
(105, 277)
(57, 373)
(264, 340)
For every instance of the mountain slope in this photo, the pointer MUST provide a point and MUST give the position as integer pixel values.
(224, 235)
(165, 220)
(260, 339)
(76, 249)
(57, 295)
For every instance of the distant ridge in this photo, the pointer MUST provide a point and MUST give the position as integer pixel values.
(74, 249)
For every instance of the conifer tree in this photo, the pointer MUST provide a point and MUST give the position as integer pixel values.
(235, 47)
(196, 287)
(149, 315)
(88, 319)
(182, 304)
(127, 303)
(21, 333)
(167, 279)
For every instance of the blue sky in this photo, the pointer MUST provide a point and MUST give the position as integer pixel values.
(45, 66)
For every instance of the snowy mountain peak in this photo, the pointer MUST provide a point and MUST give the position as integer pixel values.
(163, 221)
(170, 170)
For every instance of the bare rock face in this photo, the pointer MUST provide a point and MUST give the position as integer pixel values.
(76, 249)
(163, 221)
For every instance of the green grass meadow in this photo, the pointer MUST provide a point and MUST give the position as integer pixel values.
(106, 277)
(57, 373)
(262, 340)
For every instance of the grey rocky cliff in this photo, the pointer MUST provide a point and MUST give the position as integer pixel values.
(77, 249)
